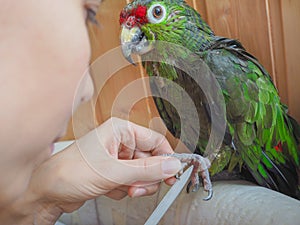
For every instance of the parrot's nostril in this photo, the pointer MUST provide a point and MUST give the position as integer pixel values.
(131, 21)
(128, 24)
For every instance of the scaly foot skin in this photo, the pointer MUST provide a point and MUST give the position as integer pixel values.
(201, 165)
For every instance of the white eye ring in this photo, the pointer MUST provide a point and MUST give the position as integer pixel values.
(156, 13)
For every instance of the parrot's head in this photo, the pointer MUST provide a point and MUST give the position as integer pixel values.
(144, 22)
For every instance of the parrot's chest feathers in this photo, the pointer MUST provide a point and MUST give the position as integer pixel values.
(155, 69)
(160, 82)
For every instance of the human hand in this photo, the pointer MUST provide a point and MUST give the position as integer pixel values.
(112, 160)
(125, 159)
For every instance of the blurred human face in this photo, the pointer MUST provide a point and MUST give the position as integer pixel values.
(45, 52)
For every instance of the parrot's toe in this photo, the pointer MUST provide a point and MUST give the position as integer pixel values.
(201, 166)
(193, 187)
(194, 184)
(207, 184)
(196, 188)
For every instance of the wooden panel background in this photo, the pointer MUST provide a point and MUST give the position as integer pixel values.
(269, 29)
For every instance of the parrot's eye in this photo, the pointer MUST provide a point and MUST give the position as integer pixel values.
(156, 13)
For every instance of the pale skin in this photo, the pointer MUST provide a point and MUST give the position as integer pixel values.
(45, 51)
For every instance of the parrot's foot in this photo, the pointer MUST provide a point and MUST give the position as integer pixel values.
(201, 165)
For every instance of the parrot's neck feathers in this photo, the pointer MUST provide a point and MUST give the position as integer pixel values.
(196, 34)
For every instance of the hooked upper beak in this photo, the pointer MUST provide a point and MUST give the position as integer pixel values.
(133, 40)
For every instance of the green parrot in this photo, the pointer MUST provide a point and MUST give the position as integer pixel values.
(260, 141)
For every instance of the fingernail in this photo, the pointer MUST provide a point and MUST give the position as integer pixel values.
(171, 166)
(139, 192)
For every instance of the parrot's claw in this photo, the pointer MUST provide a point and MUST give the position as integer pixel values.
(196, 188)
(207, 184)
(209, 196)
(201, 165)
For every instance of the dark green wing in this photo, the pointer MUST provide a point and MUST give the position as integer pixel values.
(262, 132)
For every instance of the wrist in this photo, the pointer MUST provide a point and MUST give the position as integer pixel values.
(30, 209)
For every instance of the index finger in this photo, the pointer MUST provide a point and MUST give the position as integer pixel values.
(150, 140)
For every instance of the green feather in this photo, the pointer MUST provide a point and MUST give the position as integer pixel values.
(246, 133)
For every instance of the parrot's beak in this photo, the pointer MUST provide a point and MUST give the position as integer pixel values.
(133, 40)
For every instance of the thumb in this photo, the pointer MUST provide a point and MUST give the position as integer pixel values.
(149, 169)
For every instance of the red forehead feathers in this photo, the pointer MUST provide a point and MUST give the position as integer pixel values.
(136, 15)
(141, 12)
